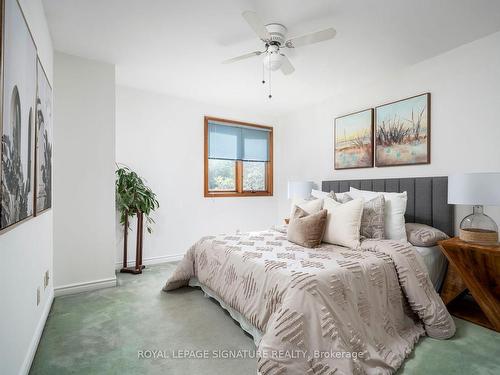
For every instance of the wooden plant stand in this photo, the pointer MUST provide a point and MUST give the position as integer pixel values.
(137, 269)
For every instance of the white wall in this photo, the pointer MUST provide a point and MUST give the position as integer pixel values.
(465, 126)
(84, 130)
(26, 251)
(161, 137)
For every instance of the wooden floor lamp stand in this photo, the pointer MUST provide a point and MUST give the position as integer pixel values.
(137, 269)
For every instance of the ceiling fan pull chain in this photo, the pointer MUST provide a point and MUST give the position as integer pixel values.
(263, 75)
(270, 94)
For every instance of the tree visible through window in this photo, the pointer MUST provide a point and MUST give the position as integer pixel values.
(221, 175)
(254, 176)
(238, 158)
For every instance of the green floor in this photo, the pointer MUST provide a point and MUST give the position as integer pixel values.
(103, 332)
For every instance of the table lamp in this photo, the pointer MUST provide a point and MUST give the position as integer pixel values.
(478, 190)
(298, 190)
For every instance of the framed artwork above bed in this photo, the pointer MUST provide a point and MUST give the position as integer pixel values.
(403, 132)
(353, 140)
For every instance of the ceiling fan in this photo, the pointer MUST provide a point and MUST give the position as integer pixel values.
(274, 37)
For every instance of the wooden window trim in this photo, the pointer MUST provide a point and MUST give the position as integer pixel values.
(239, 165)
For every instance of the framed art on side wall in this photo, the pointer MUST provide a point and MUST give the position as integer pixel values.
(353, 140)
(19, 69)
(403, 132)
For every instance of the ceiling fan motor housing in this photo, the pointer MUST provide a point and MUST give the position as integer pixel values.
(278, 33)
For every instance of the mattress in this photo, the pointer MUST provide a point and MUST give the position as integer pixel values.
(435, 262)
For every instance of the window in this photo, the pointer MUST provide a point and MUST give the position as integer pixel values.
(238, 158)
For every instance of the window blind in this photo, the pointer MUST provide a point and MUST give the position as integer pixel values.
(230, 142)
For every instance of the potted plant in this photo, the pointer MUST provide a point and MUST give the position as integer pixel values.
(134, 198)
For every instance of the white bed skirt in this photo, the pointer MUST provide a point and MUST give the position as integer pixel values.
(243, 322)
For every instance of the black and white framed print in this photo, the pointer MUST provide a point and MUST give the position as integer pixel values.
(19, 69)
(43, 142)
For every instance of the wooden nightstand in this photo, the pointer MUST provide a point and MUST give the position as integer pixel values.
(475, 268)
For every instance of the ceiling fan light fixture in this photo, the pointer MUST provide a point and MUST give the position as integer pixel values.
(272, 61)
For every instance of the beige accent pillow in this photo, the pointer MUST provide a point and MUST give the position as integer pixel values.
(311, 206)
(343, 222)
(306, 229)
(424, 235)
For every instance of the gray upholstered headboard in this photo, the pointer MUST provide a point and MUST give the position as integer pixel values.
(427, 197)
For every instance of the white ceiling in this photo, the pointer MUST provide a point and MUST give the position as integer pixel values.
(176, 46)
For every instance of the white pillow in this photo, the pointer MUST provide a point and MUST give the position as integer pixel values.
(343, 222)
(319, 194)
(394, 211)
(309, 206)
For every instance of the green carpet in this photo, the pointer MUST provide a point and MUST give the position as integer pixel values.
(110, 331)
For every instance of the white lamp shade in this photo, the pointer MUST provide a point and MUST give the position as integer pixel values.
(299, 189)
(273, 61)
(474, 189)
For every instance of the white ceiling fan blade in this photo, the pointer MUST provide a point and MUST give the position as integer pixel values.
(318, 36)
(286, 66)
(242, 57)
(256, 24)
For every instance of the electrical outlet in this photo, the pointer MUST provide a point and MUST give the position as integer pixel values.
(37, 296)
(46, 280)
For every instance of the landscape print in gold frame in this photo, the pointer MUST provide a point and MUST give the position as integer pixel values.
(353, 140)
(402, 132)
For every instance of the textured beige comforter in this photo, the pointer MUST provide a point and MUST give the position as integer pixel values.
(329, 310)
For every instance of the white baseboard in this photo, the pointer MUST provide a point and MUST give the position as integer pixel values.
(25, 369)
(85, 287)
(153, 260)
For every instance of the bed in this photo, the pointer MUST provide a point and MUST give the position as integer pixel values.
(328, 310)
